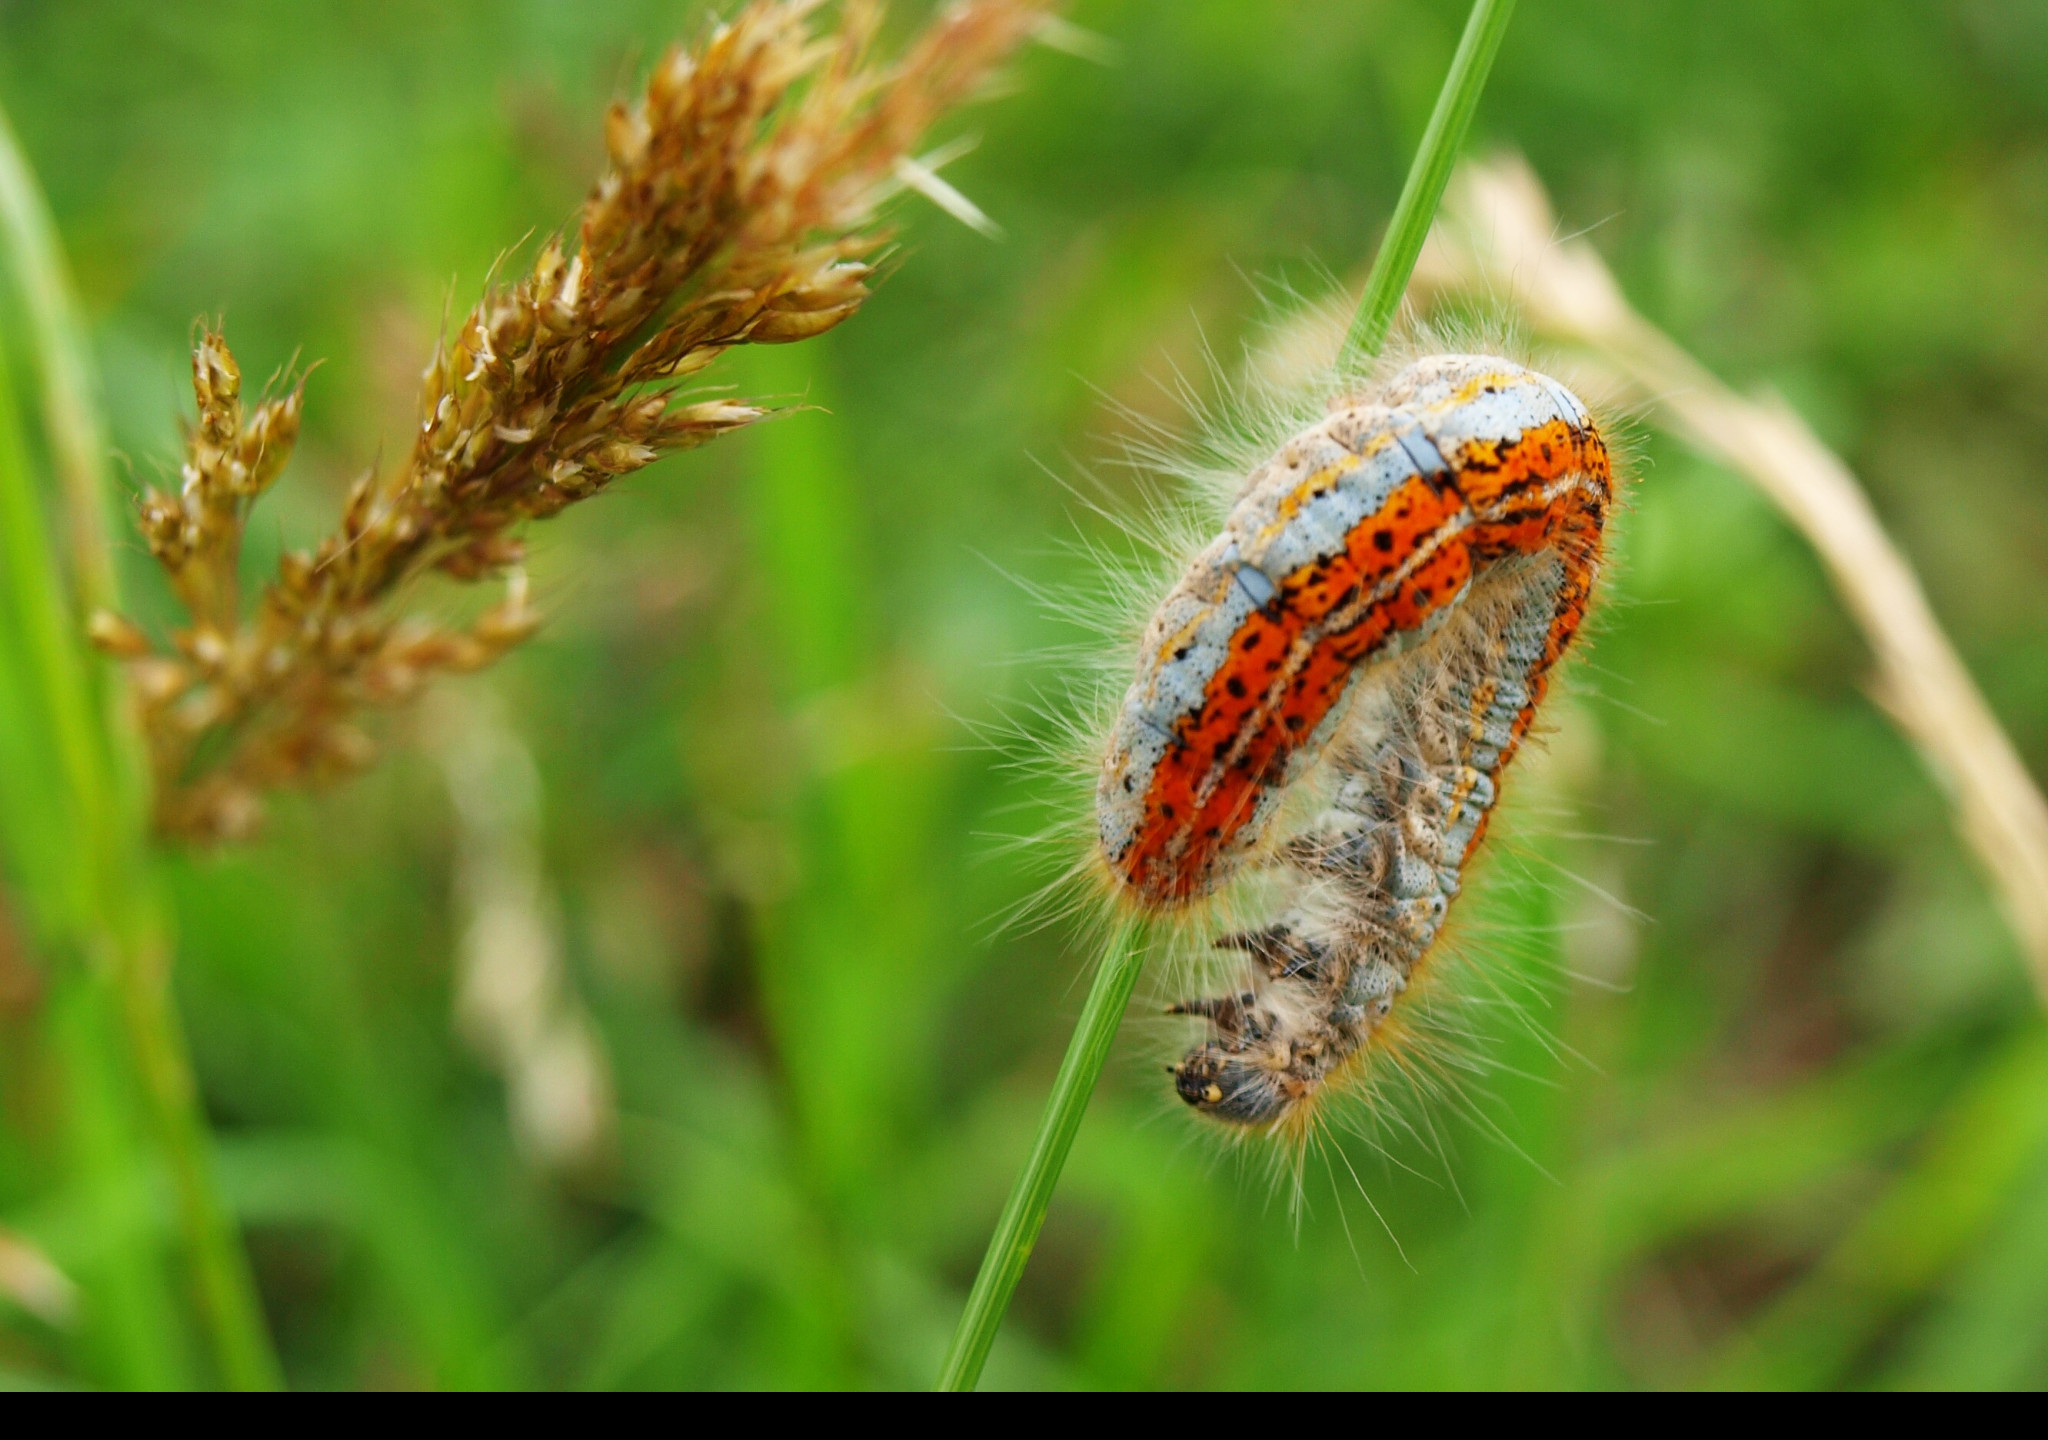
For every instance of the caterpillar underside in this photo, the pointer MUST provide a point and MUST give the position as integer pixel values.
(1376, 873)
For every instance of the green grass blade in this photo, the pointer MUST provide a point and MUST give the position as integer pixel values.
(1009, 1249)
(71, 415)
(1017, 1231)
(1989, 1331)
(81, 864)
(133, 1336)
(1972, 1164)
(138, 966)
(1424, 190)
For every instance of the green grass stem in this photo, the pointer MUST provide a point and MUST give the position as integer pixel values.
(81, 862)
(1415, 211)
(71, 413)
(1009, 1249)
(231, 1310)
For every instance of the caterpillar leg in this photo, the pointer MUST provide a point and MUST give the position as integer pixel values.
(1280, 949)
(1261, 1058)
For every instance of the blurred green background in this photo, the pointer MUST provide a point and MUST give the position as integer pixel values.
(644, 1019)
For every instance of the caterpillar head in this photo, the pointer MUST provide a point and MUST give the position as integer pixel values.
(1221, 1084)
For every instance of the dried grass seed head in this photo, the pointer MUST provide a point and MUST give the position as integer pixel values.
(739, 207)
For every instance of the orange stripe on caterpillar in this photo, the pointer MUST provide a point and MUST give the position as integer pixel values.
(1442, 537)
(1341, 552)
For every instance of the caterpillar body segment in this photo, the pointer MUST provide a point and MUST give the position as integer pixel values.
(1435, 544)
(1376, 872)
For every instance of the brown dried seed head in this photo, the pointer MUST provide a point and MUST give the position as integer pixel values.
(217, 385)
(780, 327)
(113, 635)
(738, 207)
(157, 681)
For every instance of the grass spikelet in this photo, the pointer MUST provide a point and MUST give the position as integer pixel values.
(740, 207)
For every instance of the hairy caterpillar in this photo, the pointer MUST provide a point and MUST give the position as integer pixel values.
(1436, 543)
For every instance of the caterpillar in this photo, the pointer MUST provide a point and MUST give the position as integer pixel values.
(1434, 544)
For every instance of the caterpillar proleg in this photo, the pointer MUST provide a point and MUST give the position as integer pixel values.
(1386, 601)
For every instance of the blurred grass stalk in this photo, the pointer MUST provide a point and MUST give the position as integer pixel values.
(73, 814)
(1023, 1214)
(1497, 245)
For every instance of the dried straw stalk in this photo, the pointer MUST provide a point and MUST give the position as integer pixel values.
(1496, 241)
(739, 208)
